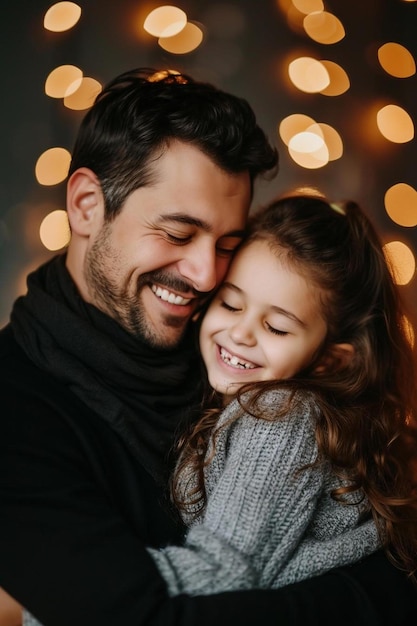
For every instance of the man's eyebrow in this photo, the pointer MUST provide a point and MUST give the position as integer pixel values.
(276, 309)
(189, 220)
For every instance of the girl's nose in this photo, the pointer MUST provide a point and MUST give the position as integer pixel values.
(242, 332)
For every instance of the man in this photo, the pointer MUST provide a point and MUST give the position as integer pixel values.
(99, 371)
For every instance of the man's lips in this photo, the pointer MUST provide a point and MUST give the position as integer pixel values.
(233, 360)
(169, 296)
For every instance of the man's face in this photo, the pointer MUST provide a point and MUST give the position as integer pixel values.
(169, 246)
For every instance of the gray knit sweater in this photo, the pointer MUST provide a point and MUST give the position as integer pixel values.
(267, 525)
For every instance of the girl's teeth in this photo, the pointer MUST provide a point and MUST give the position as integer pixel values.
(234, 361)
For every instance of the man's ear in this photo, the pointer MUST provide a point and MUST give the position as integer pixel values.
(85, 203)
(337, 356)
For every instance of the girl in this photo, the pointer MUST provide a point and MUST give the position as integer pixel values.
(307, 467)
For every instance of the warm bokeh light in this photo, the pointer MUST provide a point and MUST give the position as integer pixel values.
(63, 81)
(395, 124)
(308, 74)
(396, 60)
(165, 21)
(401, 204)
(187, 40)
(292, 125)
(52, 166)
(54, 232)
(308, 150)
(308, 6)
(297, 131)
(339, 80)
(331, 138)
(402, 261)
(62, 16)
(323, 27)
(85, 95)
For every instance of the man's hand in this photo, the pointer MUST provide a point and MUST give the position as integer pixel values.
(10, 610)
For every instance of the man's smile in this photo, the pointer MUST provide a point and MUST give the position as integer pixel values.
(169, 296)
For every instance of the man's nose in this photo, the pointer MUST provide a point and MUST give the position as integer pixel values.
(200, 268)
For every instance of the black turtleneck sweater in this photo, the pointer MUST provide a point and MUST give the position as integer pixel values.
(88, 418)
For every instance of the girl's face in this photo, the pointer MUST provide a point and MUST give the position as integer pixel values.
(265, 322)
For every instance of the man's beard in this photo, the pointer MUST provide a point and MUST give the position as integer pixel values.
(128, 310)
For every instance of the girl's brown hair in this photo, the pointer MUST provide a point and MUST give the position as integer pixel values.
(368, 407)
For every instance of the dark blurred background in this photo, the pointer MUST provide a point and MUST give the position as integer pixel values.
(246, 48)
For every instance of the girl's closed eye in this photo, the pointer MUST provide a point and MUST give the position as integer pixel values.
(276, 331)
(227, 306)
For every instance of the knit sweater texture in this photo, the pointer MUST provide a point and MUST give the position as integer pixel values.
(269, 520)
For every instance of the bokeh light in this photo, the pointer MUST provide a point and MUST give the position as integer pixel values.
(331, 138)
(165, 21)
(395, 124)
(308, 150)
(323, 27)
(293, 124)
(54, 231)
(63, 81)
(402, 261)
(339, 80)
(83, 98)
(308, 74)
(396, 60)
(310, 144)
(62, 16)
(401, 204)
(52, 166)
(185, 41)
(308, 6)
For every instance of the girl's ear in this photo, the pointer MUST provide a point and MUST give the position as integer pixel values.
(337, 356)
(85, 202)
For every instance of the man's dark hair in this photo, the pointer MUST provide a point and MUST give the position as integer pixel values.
(140, 112)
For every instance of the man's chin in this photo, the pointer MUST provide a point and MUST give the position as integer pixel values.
(165, 336)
